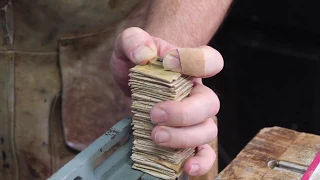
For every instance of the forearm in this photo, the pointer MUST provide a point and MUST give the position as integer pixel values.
(186, 23)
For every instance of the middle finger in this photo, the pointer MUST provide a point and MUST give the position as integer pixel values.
(202, 104)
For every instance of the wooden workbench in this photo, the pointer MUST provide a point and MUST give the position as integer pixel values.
(272, 144)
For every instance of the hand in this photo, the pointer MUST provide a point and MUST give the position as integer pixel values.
(180, 124)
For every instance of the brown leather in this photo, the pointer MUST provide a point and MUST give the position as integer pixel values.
(91, 98)
(36, 85)
(60, 154)
(39, 24)
(8, 159)
(32, 142)
(6, 25)
(3, 3)
(89, 92)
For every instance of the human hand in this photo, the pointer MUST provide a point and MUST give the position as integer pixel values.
(180, 124)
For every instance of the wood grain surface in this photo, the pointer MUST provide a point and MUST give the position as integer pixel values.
(273, 143)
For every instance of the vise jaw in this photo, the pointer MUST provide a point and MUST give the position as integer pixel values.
(116, 167)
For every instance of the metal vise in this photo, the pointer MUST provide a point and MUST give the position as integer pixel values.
(116, 167)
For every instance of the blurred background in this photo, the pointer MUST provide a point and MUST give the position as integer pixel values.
(271, 75)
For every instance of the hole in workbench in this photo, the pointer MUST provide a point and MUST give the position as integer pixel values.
(272, 164)
(78, 178)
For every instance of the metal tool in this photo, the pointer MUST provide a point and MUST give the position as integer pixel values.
(116, 167)
(287, 166)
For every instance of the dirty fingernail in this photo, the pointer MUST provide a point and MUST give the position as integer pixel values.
(194, 169)
(162, 136)
(158, 115)
(143, 53)
(172, 62)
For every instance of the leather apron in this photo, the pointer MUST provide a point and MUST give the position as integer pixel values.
(57, 94)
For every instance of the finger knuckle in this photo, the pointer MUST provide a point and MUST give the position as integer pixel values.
(213, 131)
(215, 104)
(184, 116)
(184, 141)
(131, 31)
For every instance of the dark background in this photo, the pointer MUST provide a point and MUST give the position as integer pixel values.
(271, 75)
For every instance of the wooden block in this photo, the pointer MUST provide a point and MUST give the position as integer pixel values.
(274, 143)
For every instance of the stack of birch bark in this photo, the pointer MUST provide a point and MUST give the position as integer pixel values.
(149, 85)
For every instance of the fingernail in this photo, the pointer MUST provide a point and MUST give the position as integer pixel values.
(172, 62)
(162, 136)
(158, 116)
(143, 53)
(194, 169)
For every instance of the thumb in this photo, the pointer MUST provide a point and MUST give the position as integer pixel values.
(199, 62)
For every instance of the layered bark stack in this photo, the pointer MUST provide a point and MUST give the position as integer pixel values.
(151, 84)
